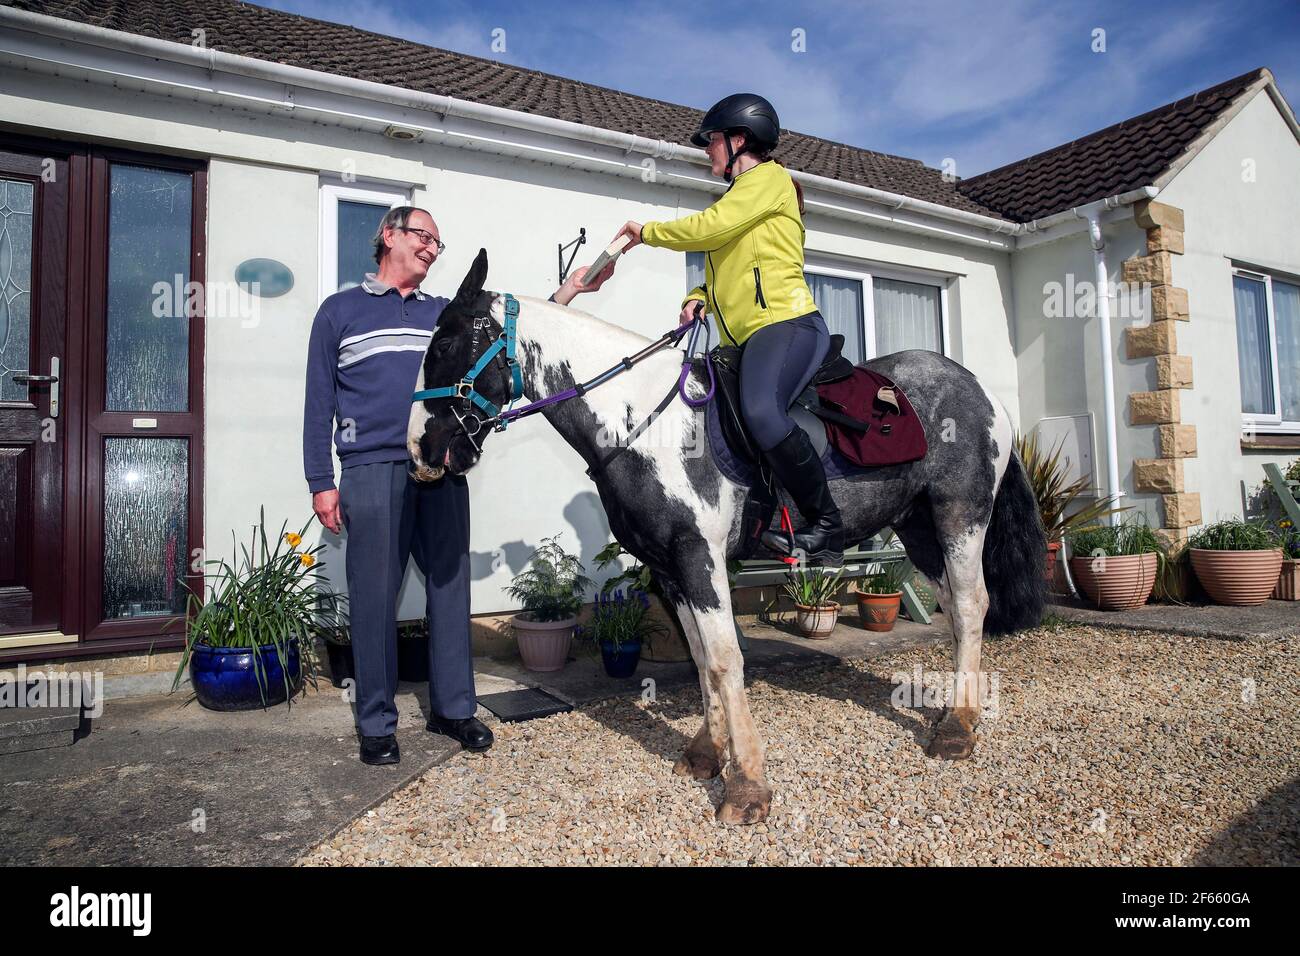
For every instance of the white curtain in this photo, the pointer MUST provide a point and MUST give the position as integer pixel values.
(1286, 303)
(840, 303)
(907, 316)
(1253, 359)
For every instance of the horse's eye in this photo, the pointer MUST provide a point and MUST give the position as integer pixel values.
(442, 346)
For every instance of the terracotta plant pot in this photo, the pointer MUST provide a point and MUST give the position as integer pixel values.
(1049, 571)
(1118, 582)
(1288, 583)
(543, 645)
(816, 622)
(1237, 578)
(878, 612)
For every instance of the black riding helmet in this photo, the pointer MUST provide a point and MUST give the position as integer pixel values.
(741, 111)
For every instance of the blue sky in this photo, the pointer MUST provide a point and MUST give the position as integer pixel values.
(980, 83)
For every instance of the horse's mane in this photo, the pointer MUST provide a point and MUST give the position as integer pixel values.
(607, 330)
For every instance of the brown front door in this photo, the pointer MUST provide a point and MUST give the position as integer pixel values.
(33, 417)
(101, 396)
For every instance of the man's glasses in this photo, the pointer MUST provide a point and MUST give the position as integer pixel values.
(426, 237)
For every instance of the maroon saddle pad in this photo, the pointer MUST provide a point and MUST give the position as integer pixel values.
(895, 435)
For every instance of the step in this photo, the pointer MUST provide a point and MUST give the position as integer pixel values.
(23, 729)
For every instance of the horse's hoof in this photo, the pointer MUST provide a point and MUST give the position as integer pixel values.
(697, 765)
(954, 737)
(746, 802)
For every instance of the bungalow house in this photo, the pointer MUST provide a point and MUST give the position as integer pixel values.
(157, 157)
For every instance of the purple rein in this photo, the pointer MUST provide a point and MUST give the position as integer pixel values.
(694, 325)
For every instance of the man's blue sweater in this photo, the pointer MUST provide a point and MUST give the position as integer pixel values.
(367, 347)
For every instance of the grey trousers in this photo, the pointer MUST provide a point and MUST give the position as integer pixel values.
(390, 516)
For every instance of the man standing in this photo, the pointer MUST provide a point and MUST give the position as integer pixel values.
(366, 349)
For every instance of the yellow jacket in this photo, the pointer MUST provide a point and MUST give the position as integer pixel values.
(753, 237)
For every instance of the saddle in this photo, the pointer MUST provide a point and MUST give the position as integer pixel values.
(860, 415)
(866, 418)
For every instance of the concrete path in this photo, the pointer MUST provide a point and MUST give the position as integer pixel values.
(1267, 621)
(157, 781)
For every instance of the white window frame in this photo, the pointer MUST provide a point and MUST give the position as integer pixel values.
(1254, 421)
(330, 194)
(866, 275)
(822, 264)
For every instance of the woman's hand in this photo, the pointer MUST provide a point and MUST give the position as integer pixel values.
(632, 229)
(690, 310)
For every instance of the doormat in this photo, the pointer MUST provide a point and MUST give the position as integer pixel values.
(526, 704)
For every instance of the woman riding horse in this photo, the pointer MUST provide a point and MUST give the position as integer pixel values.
(753, 239)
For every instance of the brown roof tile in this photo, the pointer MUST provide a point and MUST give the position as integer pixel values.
(262, 33)
(1111, 161)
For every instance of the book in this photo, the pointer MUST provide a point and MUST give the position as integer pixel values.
(610, 254)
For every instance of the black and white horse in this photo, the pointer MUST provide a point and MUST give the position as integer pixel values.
(965, 513)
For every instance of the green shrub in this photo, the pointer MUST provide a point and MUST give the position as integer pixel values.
(1047, 477)
(552, 587)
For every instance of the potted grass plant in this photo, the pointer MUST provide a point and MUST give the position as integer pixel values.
(252, 623)
(621, 623)
(1116, 566)
(1288, 582)
(1237, 562)
(812, 590)
(551, 590)
(1056, 495)
(879, 595)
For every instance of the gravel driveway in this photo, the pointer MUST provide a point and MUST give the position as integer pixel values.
(1104, 747)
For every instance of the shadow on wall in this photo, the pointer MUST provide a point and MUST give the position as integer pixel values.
(584, 513)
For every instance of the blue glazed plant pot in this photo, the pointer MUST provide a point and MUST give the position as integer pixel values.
(224, 677)
(620, 663)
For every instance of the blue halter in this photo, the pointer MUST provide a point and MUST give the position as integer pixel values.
(465, 388)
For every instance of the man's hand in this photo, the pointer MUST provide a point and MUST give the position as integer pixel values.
(326, 506)
(575, 285)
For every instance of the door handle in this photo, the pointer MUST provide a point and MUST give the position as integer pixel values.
(52, 380)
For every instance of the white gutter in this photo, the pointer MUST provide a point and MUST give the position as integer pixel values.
(1092, 213)
(443, 106)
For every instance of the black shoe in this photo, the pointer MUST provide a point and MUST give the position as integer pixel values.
(795, 463)
(378, 751)
(470, 732)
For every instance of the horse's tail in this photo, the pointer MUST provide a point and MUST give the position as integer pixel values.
(1015, 549)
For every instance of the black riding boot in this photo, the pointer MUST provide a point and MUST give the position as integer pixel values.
(795, 463)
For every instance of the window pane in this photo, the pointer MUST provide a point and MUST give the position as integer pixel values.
(1254, 361)
(356, 249)
(907, 316)
(15, 285)
(1286, 303)
(840, 302)
(146, 525)
(148, 361)
(694, 270)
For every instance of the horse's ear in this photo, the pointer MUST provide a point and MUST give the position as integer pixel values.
(474, 279)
